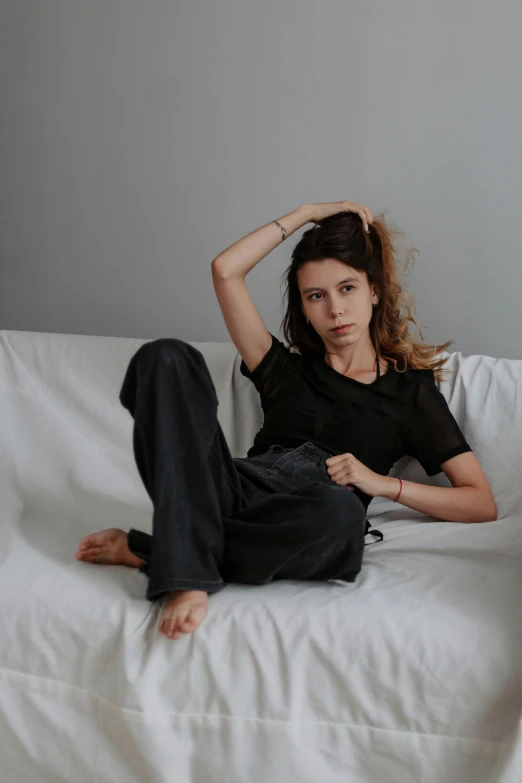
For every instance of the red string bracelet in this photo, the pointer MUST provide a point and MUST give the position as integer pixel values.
(396, 499)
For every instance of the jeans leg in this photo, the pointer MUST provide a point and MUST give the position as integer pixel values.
(185, 465)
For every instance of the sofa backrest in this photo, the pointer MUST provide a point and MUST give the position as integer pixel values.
(484, 394)
(60, 391)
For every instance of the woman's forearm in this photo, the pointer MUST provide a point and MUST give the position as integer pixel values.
(238, 259)
(450, 504)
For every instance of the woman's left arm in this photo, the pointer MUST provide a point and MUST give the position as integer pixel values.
(469, 499)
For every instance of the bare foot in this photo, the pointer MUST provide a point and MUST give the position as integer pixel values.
(183, 612)
(108, 547)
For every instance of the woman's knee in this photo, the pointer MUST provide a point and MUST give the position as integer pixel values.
(169, 355)
(165, 348)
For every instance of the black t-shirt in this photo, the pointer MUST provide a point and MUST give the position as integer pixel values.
(304, 399)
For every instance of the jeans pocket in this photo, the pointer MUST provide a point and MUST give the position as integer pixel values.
(292, 470)
(287, 469)
(300, 456)
(276, 447)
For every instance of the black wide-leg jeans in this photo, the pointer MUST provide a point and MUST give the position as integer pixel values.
(219, 518)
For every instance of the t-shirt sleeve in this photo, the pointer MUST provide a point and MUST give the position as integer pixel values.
(272, 371)
(434, 435)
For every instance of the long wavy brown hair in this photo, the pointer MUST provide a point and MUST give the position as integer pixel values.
(377, 253)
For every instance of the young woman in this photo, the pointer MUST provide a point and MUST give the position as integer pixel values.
(356, 395)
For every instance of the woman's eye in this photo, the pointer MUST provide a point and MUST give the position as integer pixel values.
(344, 286)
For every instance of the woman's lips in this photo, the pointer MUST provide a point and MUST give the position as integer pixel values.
(342, 329)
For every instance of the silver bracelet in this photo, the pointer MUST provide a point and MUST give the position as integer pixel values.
(283, 229)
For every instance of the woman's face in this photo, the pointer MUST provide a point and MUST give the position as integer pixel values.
(332, 294)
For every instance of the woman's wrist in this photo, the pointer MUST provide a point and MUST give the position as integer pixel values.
(391, 487)
(294, 220)
(306, 211)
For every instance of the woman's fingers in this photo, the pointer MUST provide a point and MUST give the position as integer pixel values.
(364, 212)
(368, 217)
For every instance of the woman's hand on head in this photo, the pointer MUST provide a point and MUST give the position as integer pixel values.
(319, 212)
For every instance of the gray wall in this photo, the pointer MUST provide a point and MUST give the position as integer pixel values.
(139, 139)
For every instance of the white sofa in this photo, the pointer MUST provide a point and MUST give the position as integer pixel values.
(412, 674)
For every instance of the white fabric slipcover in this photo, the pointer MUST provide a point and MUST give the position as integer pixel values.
(412, 673)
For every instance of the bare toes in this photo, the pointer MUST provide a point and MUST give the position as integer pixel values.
(91, 540)
(170, 631)
(90, 552)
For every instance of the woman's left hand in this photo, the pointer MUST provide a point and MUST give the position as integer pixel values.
(346, 469)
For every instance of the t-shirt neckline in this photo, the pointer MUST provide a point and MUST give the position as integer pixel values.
(347, 377)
